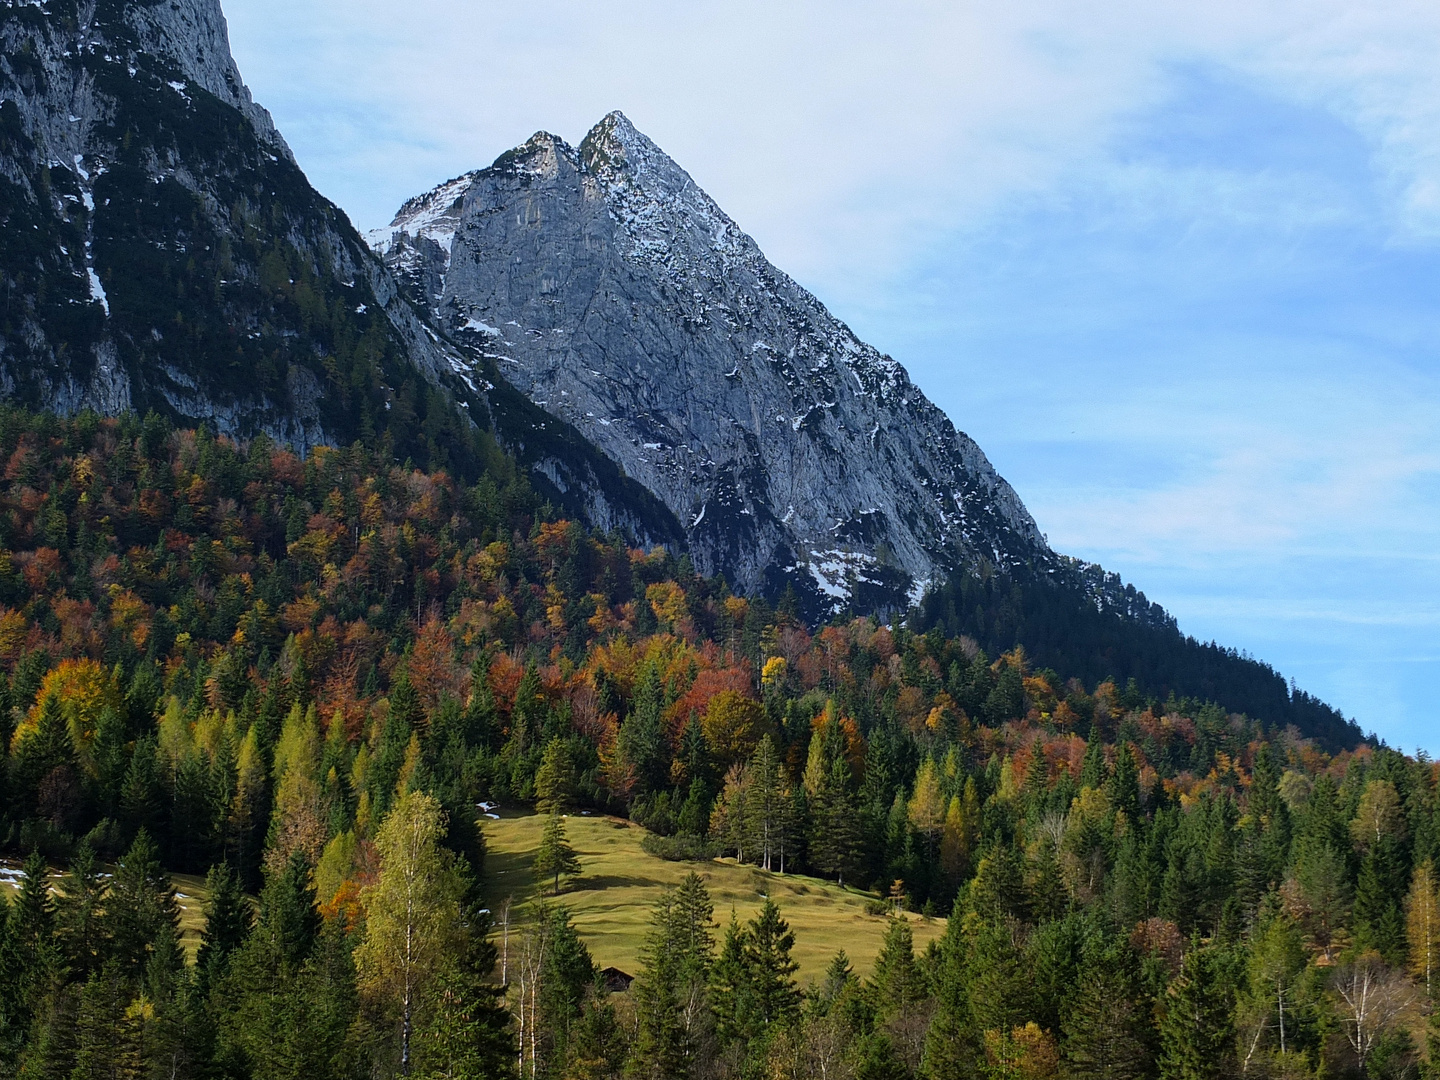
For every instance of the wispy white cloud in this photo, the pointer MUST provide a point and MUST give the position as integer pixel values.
(888, 118)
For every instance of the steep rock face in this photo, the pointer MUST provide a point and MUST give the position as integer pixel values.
(614, 292)
(160, 248)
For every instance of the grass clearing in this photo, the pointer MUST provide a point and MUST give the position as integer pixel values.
(619, 884)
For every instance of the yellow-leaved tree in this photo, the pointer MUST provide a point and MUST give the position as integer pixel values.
(413, 917)
(1422, 924)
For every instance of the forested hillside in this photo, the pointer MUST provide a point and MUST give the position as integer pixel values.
(303, 677)
(1087, 623)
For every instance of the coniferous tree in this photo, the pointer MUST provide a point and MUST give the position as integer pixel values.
(566, 972)
(1196, 1034)
(641, 742)
(952, 1043)
(770, 968)
(465, 1034)
(80, 915)
(555, 779)
(227, 918)
(766, 807)
(140, 907)
(13, 1010)
(898, 992)
(730, 990)
(289, 924)
(836, 843)
(33, 959)
(555, 858)
(140, 793)
(1379, 890)
(110, 1029)
(1123, 785)
(660, 1050)
(1092, 770)
(1105, 1025)
(50, 1052)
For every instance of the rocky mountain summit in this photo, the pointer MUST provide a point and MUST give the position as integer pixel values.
(610, 289)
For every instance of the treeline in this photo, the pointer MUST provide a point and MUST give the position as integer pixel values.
(1079, 620)
(301, 677)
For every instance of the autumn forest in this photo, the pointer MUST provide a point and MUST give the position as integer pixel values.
(302, 679)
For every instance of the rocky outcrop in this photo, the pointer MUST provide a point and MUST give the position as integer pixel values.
(161, 249)
(613, 292)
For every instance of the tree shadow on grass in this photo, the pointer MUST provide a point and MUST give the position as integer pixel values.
(594, 882)
(511, 867)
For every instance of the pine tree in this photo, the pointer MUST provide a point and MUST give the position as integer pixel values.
(555, 779)
(465, 1034)
(385, 766)
(897, 987)
(555, 857)
(566, 973)
(766, 806)
(641, 741)
(227, 918)
(13, 1013)
(140, 793)
(33, 961)
(1105, 1026)
(1198, 1028)
(598, 1044)
(1000, 984)
(289, 918)
(1092, 769)
(836, 843)
(770, 967)
(1123, 786)
(952, 1043)
(1379, 921)
(79, 915)
(730, 991)
(692, 919)
(111, 758)
(110, 1028)
(50, 1052)
(141, 905)
(659, 1052)
(44, 760)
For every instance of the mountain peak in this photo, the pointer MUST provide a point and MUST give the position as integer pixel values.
(606, 286)
(617, 143)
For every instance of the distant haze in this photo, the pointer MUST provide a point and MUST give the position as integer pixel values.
(1175, 267)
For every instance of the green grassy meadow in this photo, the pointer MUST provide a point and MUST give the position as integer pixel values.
(619, 884)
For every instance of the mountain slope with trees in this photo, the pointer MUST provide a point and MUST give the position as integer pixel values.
(302, 676)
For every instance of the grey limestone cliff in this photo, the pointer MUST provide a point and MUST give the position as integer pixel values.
(614, 292)
(161, 249)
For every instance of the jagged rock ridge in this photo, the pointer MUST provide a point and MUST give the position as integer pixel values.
(160, 248)
(615, 293)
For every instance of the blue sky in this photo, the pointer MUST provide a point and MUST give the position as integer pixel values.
(1177, 271)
